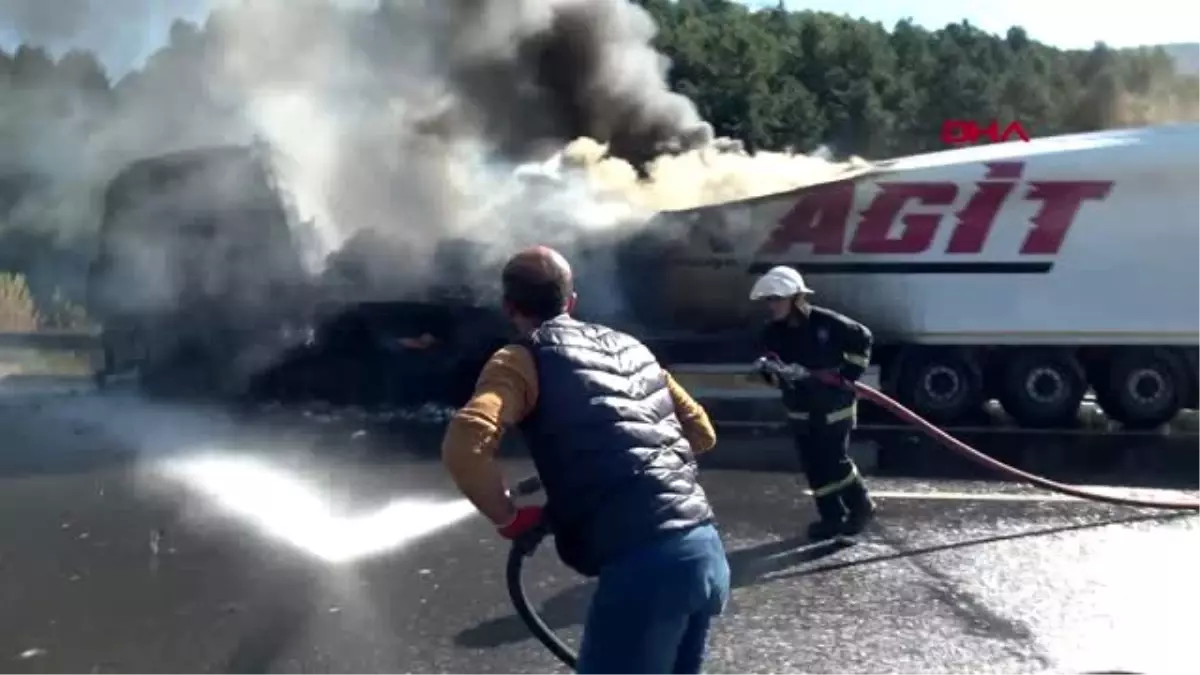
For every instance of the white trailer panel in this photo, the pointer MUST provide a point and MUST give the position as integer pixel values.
(894, 248)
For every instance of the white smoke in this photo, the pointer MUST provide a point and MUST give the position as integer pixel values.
(418, 121)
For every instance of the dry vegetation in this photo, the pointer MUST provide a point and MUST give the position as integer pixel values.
(19, 313)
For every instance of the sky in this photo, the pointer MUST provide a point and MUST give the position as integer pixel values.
(1062, 23)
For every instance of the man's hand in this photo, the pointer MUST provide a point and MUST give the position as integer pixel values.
(525, 519)
(765, 370)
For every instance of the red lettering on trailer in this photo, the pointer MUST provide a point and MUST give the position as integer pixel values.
(818, 218)
(961, 132)
(975, 220)
(821, 215)
(1060, 204)
(873, 234)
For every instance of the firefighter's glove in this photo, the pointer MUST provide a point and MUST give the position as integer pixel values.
(763, 369)
(526, 520)
(526, 530)
(775, 368)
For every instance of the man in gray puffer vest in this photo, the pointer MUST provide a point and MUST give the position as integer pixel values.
(613, 438)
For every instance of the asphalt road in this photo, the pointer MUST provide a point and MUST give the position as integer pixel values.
(136, 539)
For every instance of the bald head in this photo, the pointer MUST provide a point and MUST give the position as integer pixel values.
(537, 283)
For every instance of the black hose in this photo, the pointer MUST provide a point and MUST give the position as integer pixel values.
(523, 547)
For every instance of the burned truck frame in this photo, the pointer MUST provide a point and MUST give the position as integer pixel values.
(192, 265)
(201, 290)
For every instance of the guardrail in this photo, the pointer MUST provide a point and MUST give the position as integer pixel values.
(66, 340)
(47, 362)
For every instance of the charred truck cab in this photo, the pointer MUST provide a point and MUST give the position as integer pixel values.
(196, 267)
(201, 289)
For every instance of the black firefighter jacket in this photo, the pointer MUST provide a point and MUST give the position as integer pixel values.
(822, 340)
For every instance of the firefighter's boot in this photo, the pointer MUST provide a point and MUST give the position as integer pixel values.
(860, 506)
(832, 518)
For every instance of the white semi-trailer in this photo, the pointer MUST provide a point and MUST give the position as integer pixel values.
(1024, 272)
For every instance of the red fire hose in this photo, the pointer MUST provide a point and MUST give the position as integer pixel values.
(951, 443)
(525, 546)
(788, 375)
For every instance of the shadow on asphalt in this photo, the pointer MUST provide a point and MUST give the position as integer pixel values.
(278, 613)
(275, 629)
(925, 550)
(764, 563)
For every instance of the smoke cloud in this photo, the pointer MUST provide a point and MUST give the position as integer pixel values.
(395, 128)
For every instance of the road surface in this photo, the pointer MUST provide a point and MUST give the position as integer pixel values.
(136, 538)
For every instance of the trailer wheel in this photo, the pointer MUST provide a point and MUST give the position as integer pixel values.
(944, 386)
(1145, 388)
(1042, 388)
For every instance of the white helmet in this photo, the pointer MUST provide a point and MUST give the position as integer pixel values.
(779, 282)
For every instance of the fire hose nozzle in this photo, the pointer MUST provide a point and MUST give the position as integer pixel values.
(529, 485)
(786, 371)
(528, 542)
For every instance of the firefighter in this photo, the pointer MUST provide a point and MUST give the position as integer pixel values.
(825, 350)
(614, 439)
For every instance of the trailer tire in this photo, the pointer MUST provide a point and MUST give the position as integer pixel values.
(1144, 388)
(945, 386)
(1042, 388)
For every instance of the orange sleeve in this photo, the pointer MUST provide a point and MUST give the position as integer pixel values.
(505, 394)
(696, 426)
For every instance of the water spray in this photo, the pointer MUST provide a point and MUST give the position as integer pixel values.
(285, 508)
(255, 479)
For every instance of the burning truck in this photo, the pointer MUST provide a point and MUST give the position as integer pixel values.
(1029, 273)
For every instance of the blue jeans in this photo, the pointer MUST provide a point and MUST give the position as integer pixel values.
(652, 608)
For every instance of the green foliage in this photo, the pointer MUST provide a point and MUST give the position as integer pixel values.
(777, 79)
(771, 77)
